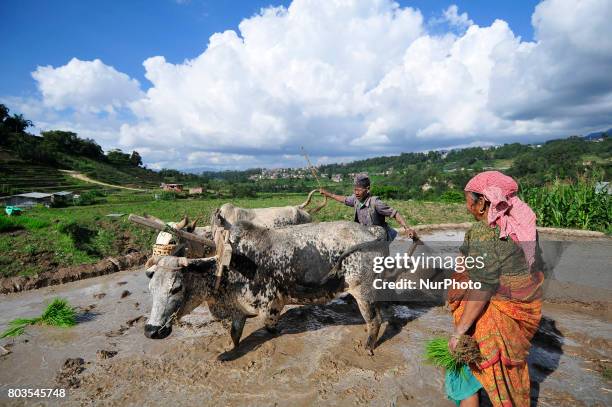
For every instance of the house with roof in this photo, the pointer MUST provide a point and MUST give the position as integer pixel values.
(28, 199)
(36, 198)
(63, 196)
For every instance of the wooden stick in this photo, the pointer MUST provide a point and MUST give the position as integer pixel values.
(157, 224)
(312, 169)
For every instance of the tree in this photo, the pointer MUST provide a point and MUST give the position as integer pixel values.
(118, 157)
(4, 113)
(59, 141)
(17, 123)
(135, 159)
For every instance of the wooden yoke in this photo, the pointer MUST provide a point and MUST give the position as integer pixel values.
(157, 224)
(223, 253)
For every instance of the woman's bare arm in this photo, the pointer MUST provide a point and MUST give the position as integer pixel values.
(477, 301)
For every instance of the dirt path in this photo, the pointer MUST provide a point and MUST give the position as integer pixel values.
(85, 178)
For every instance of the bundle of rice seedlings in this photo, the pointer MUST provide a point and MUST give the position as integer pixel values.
(438, 354)
(467, 350)
(58, 313)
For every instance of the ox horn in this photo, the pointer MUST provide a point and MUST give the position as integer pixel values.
(307, 201)
(193, 224)
(318, 208)
(182, 223)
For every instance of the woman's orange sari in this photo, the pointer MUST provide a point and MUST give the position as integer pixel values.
(504, 332)
(510, 319)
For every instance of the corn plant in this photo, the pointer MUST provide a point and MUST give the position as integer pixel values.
(574, 204)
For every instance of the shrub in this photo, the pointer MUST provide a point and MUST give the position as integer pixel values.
(452, 196)
(388, 192)
(242, 191)
(80, 235)
(90, 198)
(166, 195)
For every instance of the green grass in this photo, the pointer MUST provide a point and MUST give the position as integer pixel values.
(8, 224)
(43, 240)
(34, 250)
(58, 313)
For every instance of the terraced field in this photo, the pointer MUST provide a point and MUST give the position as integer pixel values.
(18, 177)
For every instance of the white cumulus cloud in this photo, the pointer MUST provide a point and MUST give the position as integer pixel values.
(86, 86)
(353, 78)
(451, 14)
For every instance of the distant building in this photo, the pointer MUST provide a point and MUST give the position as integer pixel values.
(196, 190)
(172, 187)
(63, 196)
(336, 178)
(29, 199)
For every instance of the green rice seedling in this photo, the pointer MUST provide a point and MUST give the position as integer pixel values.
(438, 354)
(58, 313)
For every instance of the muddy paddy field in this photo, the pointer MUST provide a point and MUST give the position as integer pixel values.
(317, 358)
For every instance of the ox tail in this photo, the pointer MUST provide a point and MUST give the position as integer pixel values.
(307, 201)
(335, 270)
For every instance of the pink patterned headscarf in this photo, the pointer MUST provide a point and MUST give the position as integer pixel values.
(513, 216)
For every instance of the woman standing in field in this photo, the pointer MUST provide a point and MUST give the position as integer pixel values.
(505, 313)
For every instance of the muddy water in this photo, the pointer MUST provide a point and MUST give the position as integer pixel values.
(317, 358)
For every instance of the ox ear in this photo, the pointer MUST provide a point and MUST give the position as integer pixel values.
(152, 261)
(151, 266)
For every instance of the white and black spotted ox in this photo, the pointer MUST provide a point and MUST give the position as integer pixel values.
(271, 268)
(228, 215)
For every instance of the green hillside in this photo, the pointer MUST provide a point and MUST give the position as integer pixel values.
(35, 163)
(20, 176)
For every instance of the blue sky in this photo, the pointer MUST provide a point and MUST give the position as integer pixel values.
(124, 33)
(237, 84)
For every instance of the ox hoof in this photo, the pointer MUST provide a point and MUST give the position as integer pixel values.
(227, 356)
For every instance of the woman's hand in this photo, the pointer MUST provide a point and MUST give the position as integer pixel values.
(452, 342)
(324, 192)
